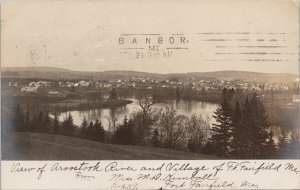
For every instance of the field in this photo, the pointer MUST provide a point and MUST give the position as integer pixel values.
(36, 146)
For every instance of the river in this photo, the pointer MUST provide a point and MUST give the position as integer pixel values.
(106, 115)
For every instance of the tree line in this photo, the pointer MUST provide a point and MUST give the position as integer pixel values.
(43, 123)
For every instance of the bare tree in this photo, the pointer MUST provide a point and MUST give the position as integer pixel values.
(144, 120)
(145, 103)
(198, 129)
(172, 127)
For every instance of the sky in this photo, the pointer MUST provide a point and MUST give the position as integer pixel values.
(183, 35)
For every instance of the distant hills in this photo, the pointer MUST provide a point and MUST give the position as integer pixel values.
(241, 75)
(65, 74)
(58, 73)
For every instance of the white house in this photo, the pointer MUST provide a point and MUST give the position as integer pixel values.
(29, 89)
(83, 83)
(54, 93)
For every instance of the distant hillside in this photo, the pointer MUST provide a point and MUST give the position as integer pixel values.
(240, 75)
(59, 74)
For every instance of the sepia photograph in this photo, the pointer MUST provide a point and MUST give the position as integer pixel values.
(115, 80)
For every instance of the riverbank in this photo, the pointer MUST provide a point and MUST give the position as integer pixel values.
(81, 105)
(36, 104)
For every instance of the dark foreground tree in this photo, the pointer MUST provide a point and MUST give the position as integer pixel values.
(99, 133)
(90, 131)
(221, 131)
(124, 133)
(46, 123)
(83, 128)
(68, 126)
(259, 129)
(244, 140)
(55, 125)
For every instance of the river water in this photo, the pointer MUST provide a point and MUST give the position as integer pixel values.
(107, 115)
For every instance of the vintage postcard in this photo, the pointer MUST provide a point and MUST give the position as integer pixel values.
(146, 94)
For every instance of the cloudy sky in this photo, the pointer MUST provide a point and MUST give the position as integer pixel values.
(189, 36)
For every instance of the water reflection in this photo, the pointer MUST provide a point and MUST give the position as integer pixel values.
(111, 117)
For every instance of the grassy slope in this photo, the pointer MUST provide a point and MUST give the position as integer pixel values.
(27, 146)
